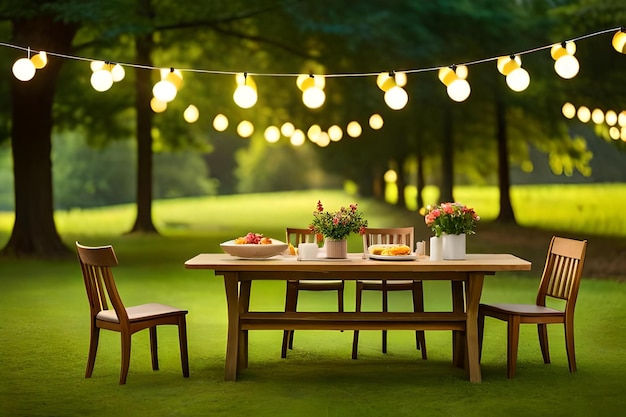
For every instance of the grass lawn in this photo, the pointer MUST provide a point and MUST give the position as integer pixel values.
(44, 332)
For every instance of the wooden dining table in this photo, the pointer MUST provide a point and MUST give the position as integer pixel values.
(466, 277)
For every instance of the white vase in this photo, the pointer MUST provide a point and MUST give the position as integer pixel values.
(454, 246)
(436, 248)
(336, 249)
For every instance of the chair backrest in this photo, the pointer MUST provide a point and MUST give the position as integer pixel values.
(96, 263)
(297, 235)
(378, 236)
(562, 271)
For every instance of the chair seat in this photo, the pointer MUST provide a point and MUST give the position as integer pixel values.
(522, 309)
(140, 312)
(389, 282)
(320, 282)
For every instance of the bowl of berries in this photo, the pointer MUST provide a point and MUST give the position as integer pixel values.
(254, 246)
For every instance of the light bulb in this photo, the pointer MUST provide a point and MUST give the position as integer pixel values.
(518, 79)
(376, 121)
(245, 96)
(101, 80)
(96, 65)
(614, 133)
(396, 98)
(354, 129)
(220, 123)
(384, 81)
(24, 69)
(506, 64)
(314, 132)
(335, 133)
(597, 116)
(287, 129)
(313, 97)
(568, 110)
(619, 42)
(298, 138)
(611, 118)
(459, 90)
(391, 176)
(323, 140)
(157, 105)
(621, 118)
(164, 91)
(272, 134)
(567, 66)
(245, 129)
(447, 76)
(191, 114)
(118, 73)
(174, 76)
(40, 60)
(583, 114)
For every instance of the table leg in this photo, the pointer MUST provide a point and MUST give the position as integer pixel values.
(474, 289)
(458, 338)
(244, 306)
(232, 343)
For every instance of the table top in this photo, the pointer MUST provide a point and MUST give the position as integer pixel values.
(355, 262)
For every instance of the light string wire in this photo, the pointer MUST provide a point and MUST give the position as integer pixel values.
(333, 75)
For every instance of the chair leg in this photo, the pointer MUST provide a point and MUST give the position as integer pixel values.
(481, 332)
(340, 301)
(542, 329)
(418, 306)
(512, 345)
(569, 344)
(385, 309)
(182, 341)
(355, 338)
(291, 300)
(153, 348)
(93, 348)
(126, 340)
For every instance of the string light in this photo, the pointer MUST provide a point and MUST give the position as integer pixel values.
(313, 132)
(245, 129)
(245, 95)
(453, 78)
(220, 122)
(191, 114)
(354, 129)
(391, 83)
(619, 41)
(376, 121)
(272, 134)
(297, 138)
(335, 133)
(313, 95)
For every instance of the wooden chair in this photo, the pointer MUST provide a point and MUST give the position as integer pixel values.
(560, 280)
(108, 312)
(401, 235)
(296, 236)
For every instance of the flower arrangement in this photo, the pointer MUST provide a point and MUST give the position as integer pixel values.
(451, 218)
(338, 225)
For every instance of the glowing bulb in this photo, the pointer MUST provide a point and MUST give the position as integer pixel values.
(621, 118)
(459, 90)
(191, 114)
(287, 129)
(614, 133)
(272, 134)
(118, 73)
(335, 133)
(569, 110)
(323, 140)
(518, 79)
(174, 76)
(101, 80)
(396, 98)
(313, 97)
(611, 118)
(584, 114)
(597, 116)
(157, 105)
(245, 129)
(447, 76)
(220, 123)
(40, 60)
(461, 71)
(96, 65)
(567, 66)
(390, 176)
(619, 42)
(298, 138)
(164, 91)
(245, 96)
(314, 132)
(506, 64)
(400, 79)
(354, 129)
(376, 121)
(384, 81)
(24, 69)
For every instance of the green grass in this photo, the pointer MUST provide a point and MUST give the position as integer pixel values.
(44, 326)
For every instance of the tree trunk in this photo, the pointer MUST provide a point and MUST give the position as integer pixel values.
(143, 94)
(401, 183)
(504, 179)
(447, 157)
(34, 231)
(420, 179)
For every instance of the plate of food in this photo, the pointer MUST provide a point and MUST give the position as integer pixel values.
(254, 246)
(391, 252)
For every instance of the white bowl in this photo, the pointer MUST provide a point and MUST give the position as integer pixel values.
(253, 251)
